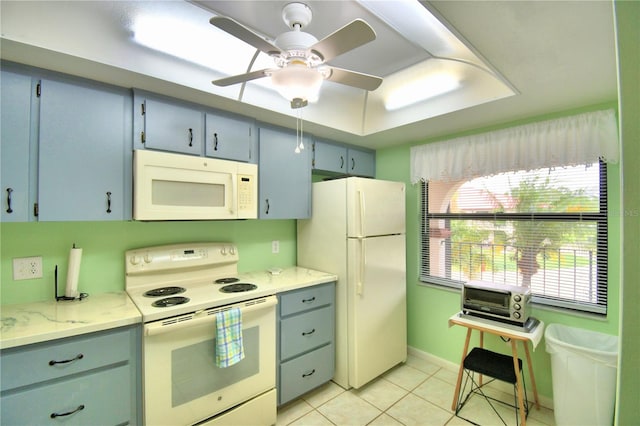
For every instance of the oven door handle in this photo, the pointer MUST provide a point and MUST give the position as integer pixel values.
(200, 317)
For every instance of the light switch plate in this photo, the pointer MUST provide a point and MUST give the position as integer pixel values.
(27, 268)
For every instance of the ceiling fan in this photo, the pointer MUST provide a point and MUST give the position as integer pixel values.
(300, 59)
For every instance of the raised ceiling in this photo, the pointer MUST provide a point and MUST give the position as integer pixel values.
(523, 59)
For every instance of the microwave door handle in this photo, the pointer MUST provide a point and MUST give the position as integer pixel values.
(234, 199)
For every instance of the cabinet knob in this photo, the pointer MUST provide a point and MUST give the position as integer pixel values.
(9, 191)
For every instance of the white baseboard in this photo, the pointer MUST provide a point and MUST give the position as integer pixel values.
(545, 401)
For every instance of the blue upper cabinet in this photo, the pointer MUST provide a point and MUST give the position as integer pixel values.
(284, 176)
(84, 152)
(16, 130)
(343, 159)
(230, 138)
(167, 125)
(361, 162)
(329, 157)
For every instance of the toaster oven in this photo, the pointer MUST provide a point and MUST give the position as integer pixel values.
(500, 302)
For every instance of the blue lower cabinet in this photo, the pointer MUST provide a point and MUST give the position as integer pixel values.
(91, 379)
(306, 340)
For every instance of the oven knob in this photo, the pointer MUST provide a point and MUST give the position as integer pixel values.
(517, 298)
(516, 315)
(232, 250)
(223, 250)
(517, 306)
(134, 260)
(148, 258)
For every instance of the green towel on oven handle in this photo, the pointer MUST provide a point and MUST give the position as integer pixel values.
(229, 347)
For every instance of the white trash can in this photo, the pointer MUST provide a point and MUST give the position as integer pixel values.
(583, 371)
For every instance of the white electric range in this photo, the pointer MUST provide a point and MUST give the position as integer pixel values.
(179, 289)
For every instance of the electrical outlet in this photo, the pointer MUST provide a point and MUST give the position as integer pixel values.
(27, 268)
(275, 246)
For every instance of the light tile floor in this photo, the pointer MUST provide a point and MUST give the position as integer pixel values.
(415, 393)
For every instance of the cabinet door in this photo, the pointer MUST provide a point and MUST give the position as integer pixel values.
(172, 127)
(228, 138)
(83, 155)
(285, 176)
(329, 157)
(361, 163)
(16, 120)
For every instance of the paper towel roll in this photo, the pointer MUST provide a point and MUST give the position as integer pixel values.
(73, 272)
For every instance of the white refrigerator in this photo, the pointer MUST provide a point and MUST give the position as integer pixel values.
(357, 231)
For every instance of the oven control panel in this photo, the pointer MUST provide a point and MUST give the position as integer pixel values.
(178, 256)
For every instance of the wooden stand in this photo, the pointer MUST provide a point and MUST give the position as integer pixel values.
(498, 329)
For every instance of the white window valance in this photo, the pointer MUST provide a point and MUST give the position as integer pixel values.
(567, 141)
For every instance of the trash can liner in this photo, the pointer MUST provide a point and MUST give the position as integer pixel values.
(583, 372)
(602, 348)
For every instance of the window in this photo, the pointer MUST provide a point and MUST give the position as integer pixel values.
(545, 229)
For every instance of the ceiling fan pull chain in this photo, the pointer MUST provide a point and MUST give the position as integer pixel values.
(297, 150)
(301, 131)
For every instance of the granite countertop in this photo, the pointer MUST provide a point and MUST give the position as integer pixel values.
(27, 323)
(286, 279)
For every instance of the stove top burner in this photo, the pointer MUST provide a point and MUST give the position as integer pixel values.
(163, 291)
(227, 280)
(237, 288)
(170, 301)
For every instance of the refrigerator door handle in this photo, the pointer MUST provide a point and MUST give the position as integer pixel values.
(363, 261)
(361, 212)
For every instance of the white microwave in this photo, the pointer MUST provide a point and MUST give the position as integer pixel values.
(170, 186)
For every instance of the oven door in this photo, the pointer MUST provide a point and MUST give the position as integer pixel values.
(182, 384)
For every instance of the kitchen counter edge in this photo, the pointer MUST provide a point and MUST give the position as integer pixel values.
(28, 323)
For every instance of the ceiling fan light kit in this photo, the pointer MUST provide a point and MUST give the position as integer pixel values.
(300, 59)
(298, 82)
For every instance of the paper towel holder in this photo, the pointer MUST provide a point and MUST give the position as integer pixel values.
(65, 298)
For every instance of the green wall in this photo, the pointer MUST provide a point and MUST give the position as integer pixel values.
(628, 38)
(104, 244)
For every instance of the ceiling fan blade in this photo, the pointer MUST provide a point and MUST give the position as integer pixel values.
(241, 78)
(355, 79)
(243, 33)
(354, 34)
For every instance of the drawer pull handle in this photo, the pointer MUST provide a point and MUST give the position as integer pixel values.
(66, 361)
(190, 137)
(309, 300)
(80, 408)
(306, 333)
(309, 374)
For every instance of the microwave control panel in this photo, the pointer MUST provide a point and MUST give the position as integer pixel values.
(247, 197)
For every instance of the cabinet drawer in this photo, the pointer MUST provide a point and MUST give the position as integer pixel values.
(306, 298)
(26, 365)
(302, 374)
(301, 333)
(105, 396)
